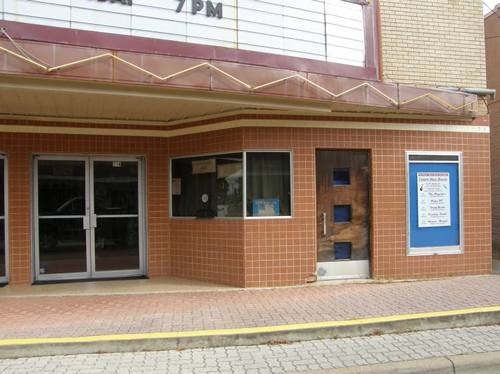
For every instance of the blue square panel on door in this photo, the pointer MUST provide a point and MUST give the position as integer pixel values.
(342, 250)
(341, 213)
(341, 177)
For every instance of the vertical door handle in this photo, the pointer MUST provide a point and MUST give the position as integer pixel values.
(86, 223)
(323, 215)
(93, 221)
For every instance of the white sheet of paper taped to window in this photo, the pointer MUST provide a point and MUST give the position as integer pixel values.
(176, 186)
(204, 166)
(433, 199)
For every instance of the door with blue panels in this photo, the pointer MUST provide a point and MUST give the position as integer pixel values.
(343, 214)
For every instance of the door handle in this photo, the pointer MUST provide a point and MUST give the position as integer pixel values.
(93, 221)
(323, 215)
(89, 222)
(86, 223)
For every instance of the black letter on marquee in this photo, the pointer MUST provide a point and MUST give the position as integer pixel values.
(181, 4)
(214, 11)
(197, 5)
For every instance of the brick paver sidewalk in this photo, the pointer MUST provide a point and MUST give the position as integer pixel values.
(97, 315)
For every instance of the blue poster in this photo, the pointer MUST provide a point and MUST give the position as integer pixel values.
(434, 205)
(266, 207)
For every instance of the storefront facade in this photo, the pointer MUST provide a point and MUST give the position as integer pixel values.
(231, 153)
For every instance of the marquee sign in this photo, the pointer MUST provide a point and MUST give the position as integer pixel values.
(330, 31)
(123, 2)
(198, 5)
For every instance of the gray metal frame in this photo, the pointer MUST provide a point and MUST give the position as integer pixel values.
(441, 250)
(5, 217)
(244, 173)
(91, 273)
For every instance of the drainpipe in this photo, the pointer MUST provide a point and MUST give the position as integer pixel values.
(490, 93)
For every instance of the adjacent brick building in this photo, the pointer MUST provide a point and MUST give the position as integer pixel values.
(492, 30)
(277, 152)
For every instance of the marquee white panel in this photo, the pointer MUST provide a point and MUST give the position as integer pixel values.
(327, 30)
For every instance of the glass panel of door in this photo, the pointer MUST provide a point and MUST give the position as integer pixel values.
(3, 254)
(88, 218)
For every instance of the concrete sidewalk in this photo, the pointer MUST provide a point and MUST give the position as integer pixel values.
(75, 324)
(476, 348)
(476, 363)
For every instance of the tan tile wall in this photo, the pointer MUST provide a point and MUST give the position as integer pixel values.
(208, 250)
(20, 149)
(281, 252)
(433, 42)
(269, 252)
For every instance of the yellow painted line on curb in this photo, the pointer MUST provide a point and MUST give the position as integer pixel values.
(244, 330)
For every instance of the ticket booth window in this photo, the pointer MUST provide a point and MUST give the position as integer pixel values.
(251, 184)
(207, 186)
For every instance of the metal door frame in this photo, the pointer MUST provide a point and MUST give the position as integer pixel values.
(140, 217)
(346, 269)
(36, 228)
(89, 210)
(5, 278)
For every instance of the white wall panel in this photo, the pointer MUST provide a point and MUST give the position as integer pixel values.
(250, 47)
(159, 35)
(328, 30)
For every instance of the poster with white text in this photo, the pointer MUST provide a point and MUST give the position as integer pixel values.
(433, 199)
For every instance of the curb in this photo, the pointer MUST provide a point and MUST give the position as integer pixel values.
(16, 348)
(476, 363)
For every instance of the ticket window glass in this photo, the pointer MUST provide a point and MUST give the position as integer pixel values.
(207, 186)
(216, 186)
(434, 203)
(268, 184)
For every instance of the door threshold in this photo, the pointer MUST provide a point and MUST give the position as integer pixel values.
(87, 280)
(349, 277)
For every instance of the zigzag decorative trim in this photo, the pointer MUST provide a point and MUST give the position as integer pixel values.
(249, 87)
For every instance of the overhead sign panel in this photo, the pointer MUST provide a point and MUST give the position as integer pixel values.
(330, 30)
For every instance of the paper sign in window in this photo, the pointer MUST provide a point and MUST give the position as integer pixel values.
(433, 199)
(204, 166)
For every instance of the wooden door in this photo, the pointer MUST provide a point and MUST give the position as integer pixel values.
(343, 214)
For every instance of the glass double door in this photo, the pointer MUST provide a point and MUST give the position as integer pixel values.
(88, 217)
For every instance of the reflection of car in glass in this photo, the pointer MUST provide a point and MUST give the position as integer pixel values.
(73, 206)
(56, 231)
(68, 232)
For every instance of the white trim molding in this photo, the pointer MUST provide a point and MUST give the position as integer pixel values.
(241, 123)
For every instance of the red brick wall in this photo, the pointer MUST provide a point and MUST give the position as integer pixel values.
(495, 175)
(274, 251)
